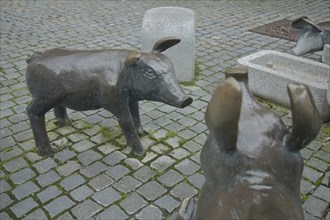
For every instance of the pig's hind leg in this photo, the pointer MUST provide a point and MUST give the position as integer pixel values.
(36, 111)
(61, 115)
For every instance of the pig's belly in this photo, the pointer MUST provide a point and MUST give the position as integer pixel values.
(82, 102)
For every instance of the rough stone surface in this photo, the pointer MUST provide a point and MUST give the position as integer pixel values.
(86, 209)
(150, 212)
(23, 207)
(59, 205)
(106, 196)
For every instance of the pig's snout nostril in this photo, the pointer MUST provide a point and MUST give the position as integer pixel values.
(187, 101)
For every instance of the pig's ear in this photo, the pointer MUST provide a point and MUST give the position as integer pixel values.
(164, 44)
(306, 122)
(132, 58)
(305, 23)
(223, 112)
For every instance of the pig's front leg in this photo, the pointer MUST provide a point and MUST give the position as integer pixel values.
(134, 109)
(132, 138)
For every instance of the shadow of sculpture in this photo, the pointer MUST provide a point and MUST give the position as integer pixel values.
(111, 79)
(251, 161)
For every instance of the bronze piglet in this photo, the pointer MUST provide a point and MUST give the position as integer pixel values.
(115, 80)
(251, 161)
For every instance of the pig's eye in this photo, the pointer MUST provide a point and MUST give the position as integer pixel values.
(149, 72)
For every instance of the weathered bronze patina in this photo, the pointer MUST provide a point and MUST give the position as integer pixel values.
(251, 160)
(111, 79)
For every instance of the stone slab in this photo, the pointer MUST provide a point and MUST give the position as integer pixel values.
(270, 72)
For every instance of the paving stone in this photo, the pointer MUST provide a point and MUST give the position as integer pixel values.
(48, 178)
(179, 153)
(76, 137)
(22, 176)
(117, 172)
(127, 184)
(167, 202)
(107, 148)
(23, 207)
(81, 193)
(7, 155)
(33, 157)
(151, 190)
(94, 169)
(112, 213)
(160, 149)
(25, 189)
(187, 167)
(192, 146)
(7, 142)
(133, 163)
(162, 163)
(311, 174)
(86, 209)
(106, 196)
(323, 155)
(144, 174)
(68, 168)
(88, 157)
(5, 216)
(83, 145)
(323, 193)
(133, 203)
(150, 212)
(72, 182)
(38, 214)
(48, 194)
(197, 180)
(100, 182)
(114, 158)
(15, 165)
(149, 156)
(4, 186)
(318, 164)
(65, 216)
(315, 206)
(65, 155)
(5, 201)
(183, 190)
(197, 157)
(306, 187)
(59, 205)
(309, 216)
(170, 178)
(45, 165)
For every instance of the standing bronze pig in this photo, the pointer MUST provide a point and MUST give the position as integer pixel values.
(251, 161)
(111, 79)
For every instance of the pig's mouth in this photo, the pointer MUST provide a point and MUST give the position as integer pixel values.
(179, 104)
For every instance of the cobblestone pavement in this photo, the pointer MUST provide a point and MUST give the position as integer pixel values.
(94, 174)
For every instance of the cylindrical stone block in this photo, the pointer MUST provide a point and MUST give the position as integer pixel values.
(163, 22)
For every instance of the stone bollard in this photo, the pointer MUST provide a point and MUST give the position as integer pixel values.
(176, 22)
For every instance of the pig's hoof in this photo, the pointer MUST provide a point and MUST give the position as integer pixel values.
(46, 153)
(139, 153)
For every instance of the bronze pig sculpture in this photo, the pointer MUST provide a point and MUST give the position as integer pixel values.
(311, 37)
(111, 79)
(251, 161)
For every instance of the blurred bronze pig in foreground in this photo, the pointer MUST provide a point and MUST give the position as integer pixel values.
(251, 161)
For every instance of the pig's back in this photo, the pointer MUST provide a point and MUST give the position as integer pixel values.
(61, 61)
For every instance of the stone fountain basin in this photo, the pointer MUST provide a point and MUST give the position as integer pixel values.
(270, 72)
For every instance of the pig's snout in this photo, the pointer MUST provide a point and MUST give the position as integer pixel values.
(186, 101)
